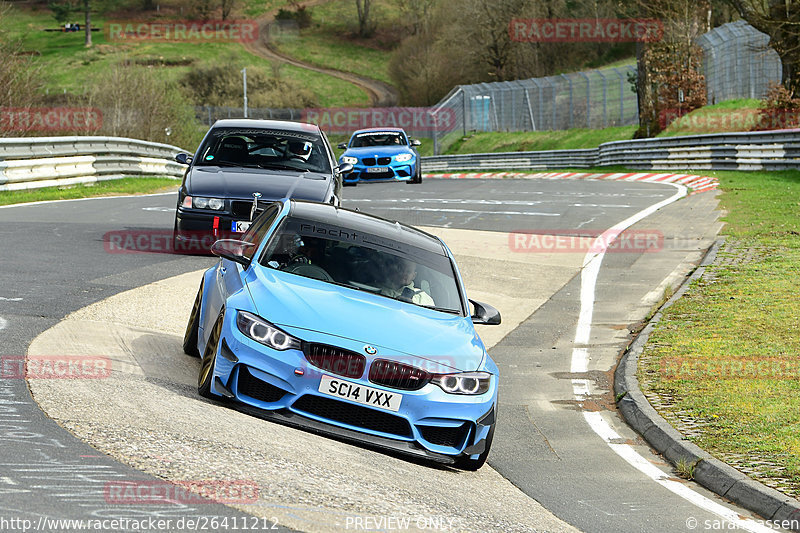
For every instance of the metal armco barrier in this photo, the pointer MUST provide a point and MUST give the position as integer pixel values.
(33, 162)
(769, 150)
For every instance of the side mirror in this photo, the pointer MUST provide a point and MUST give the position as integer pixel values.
(414, 142)
(484, 314)
(233, 250)
(344, 168)
(342, 146)
(184, 159)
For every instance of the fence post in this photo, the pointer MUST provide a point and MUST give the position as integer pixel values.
(571, 108)
(605, 98)
(588, 101)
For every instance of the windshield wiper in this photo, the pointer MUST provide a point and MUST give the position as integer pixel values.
(442, 309)
(229, 164)
(277, 166)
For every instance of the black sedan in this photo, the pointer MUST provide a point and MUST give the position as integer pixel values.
(240, 167)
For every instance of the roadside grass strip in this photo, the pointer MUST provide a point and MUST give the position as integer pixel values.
(124, 186)
(723, 364)
(693, 182)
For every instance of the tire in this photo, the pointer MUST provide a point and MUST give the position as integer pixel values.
(465, 463)
(418, 178)
(190, 337)
(206, 377)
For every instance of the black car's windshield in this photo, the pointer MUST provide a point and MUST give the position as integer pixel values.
(351, 258)
(378, 138)
(264, 148)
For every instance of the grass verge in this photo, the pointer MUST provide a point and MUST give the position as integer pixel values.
(723, 365)
(476, 143)
(119, 187)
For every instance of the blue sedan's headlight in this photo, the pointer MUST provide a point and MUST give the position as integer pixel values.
(348, 159)
(471, 383)
(403, 157)
(265, 333)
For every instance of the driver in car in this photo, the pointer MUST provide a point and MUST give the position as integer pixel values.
(399, 283)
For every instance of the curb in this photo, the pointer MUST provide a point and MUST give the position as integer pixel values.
(709, 472)
(692, 181)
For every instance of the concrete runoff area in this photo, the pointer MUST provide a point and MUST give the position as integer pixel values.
(147, 412)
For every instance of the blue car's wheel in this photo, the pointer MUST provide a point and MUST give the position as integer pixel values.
(193, 327)
(206, 377)
(417, 175)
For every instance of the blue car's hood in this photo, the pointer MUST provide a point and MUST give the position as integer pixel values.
(379, 151)
(243, 182)
(296, 302)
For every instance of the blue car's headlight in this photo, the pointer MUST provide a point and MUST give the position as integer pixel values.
(403, 157)
(348, 159)
(471, 383)
(265, 333)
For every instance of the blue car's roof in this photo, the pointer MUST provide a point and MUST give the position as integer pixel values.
(371, 224)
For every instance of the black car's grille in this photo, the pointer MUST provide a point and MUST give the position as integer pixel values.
(397, 375)
(336, 360)
(353, 415)
(453, 437)
(241, 209)
(255, 388)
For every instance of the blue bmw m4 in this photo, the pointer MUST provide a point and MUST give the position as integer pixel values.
(381, 154)
(350, 326)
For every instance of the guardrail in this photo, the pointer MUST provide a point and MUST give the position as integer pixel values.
(33, 162)
(769, 150)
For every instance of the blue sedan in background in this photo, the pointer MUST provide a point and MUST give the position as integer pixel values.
(350, 326)
(381, 154)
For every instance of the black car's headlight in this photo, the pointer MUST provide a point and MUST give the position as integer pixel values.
(471, 383)
(265, 333)
(200, 202)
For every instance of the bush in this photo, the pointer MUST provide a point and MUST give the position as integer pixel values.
(137, 104)
(779, 109)
(220, 84)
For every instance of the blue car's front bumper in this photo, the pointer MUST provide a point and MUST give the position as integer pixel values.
(393, 171)
(283, 385)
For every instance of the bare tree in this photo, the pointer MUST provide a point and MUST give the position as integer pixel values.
(780, 19)
(416, 13)
(227, 7)
(365, 28)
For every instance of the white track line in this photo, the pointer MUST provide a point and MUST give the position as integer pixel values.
(3, 323)
(580, 387)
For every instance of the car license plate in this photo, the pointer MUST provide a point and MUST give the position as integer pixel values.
(377, 170)
(239, 226)
(354, 392)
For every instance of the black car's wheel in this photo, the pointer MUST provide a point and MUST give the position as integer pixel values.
(206, 376)
(465, 463)
(193, 327)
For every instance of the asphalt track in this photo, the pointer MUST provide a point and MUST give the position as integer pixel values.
(56, 263)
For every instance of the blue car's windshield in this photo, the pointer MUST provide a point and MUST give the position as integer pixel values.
(378, 138)
(264, 148)
(354, 259)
